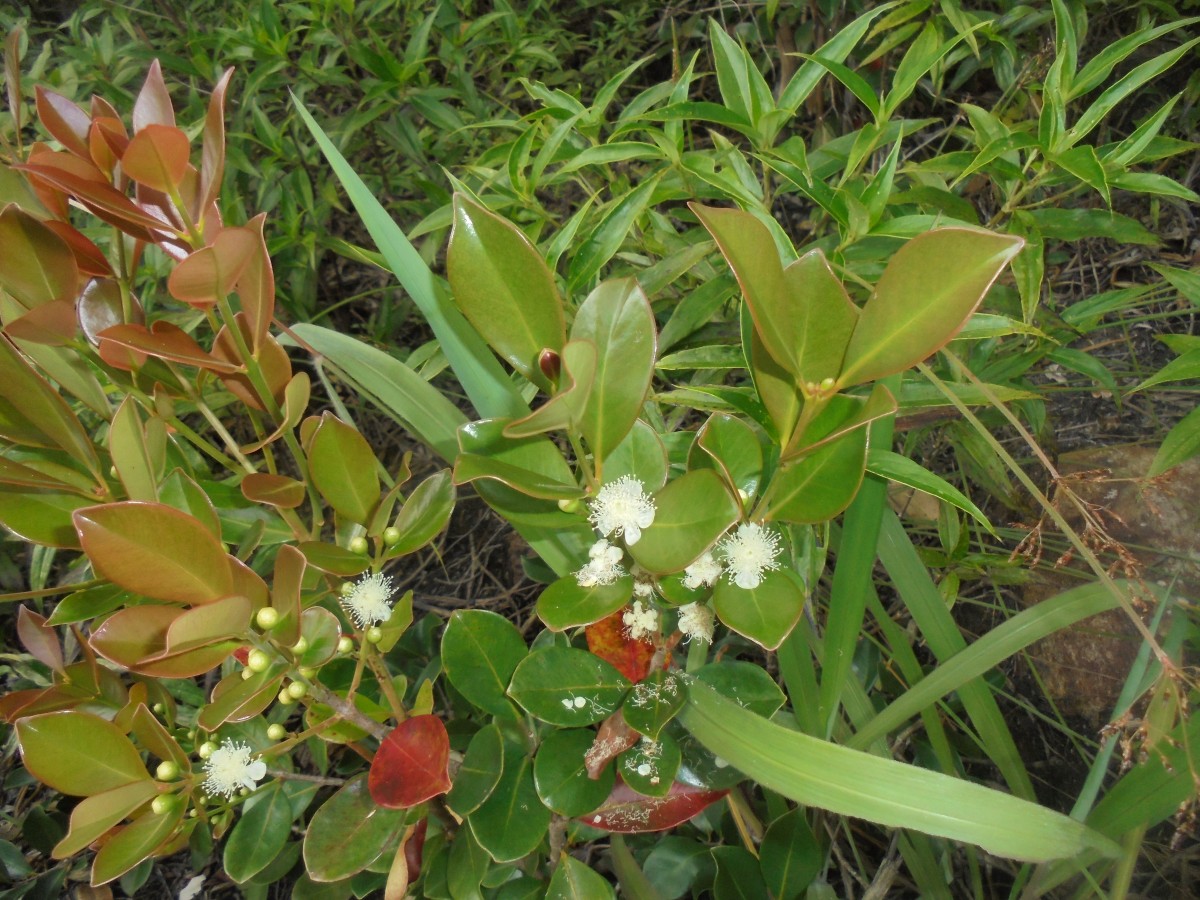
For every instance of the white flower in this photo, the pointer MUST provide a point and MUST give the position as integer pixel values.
(643, 589)
(704, 572)
(750, 551)
(368, 602)
(622, 507)
(641, 621)
(229, 769)
(696, 622)
(604, 566)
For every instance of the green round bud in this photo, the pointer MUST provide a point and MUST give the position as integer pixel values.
(159, 709)
(346, 589)
(307, 672)
(244, 792)
(257, 661)
(166, 771)
(163, 804)
(345, 644)
(391, 536)
(358, 544)
(247, 673)
(206, 749)
(300, 646)
(276, 732)
(296, 690)
(373, 635)
(192, 813)
(267, 618)
(285, 699)
(570, 506)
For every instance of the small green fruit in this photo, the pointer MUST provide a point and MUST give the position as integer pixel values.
(345, 644)
(296, 690)
(373, 635)
(258, 661)
(358, 544)
(391, 536)
(276, 732)
(267, 618)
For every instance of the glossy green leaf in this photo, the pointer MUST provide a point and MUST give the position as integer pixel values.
(775, 386)
(343, 468)
(1077, 224)
(818, 486)
(746, 683)
(765, 614)
(333, 559)
(691, 513)
(616, 318)
(649, 767)
(348, 832)
(654, 702)
(532, 465)
(260, 833)
(790, 856)
(567, 687)
(78, 753)
(95, 815)
(424, 514)
(468, 865)
(137, 841)
(512, 822)
(911, 314)
(154, 550)
(574, 880)
(479, 771)
(731, 447)
(565, 604)
(504, 288)
(640, 455)
(738, 875)
(801, 313)
(822, 774)
(42, 517)
(561, 777)
(480, 652)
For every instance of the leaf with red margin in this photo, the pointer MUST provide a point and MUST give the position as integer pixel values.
(608, 640)
(105, 202)
(39, 639)
(629, 812)
(88, 257)
(210, 273)
(410, 765)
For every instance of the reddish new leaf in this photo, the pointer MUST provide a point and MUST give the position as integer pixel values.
(210, 273)
(629, 812)
(165, 341)
(608, 640)
(40, 640)
(157, 157)
(153, 104)
(212, 160)
(411, 764)
(64, 120)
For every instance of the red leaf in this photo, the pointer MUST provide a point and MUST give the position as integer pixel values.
(411, 764)
(613, 738)
(67, 122)
(157, 157)
(629, 812)
(212, 165)
(608, 640)
(153, 104)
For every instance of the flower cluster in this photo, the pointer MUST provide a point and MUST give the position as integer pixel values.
(603, 567)
(229, 768)
(641, 621)
(696, 622)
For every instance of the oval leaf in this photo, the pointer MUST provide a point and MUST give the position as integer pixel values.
(78, 754)
(691, 513)
(411, 763)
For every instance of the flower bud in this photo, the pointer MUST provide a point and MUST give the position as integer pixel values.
(267, 618)
(159, 709)
(166, 771)
(276, 732)
(345, 644)
(285, 699)
(307, 672)
(163, 804)
(571, 506)
(300, 646)
(391, 536)
(205, 750)
(373, 635)
(296, 690)
(258, 661)
(247, 674)
(358, 544)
